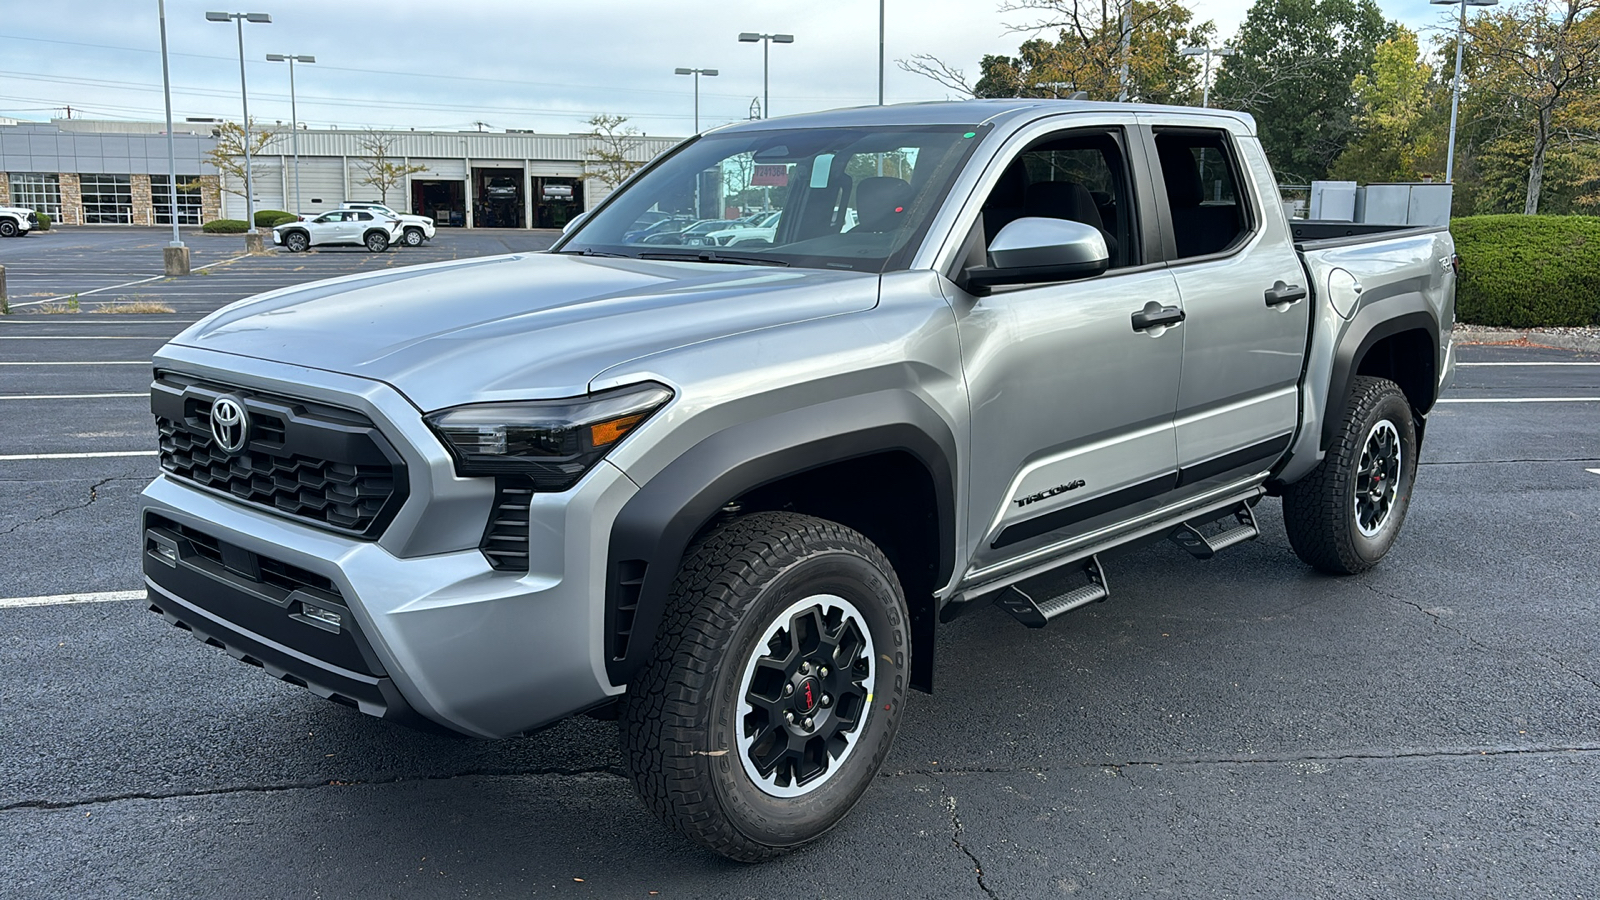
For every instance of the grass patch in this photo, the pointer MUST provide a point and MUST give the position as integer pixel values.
(61, 309)
(135, 307)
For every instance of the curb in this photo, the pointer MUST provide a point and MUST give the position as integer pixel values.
(1528, 338)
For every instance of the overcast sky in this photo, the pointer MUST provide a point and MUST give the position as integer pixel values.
(537, 64)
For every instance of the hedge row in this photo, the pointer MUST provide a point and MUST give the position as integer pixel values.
(225, 226)
(271, 218)
(1528, 271)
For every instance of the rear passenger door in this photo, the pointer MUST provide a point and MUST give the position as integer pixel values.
(1244, 297)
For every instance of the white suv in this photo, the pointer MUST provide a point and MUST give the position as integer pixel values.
(351, 227)
(414, 229)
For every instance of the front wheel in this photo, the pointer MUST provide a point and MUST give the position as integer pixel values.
(1345, 515)
(413, 237)
(377, 241)
(8, 228)
(776, 686)
(296, 241)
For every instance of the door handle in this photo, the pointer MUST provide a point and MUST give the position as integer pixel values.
(1153, 316)
(1281, 293)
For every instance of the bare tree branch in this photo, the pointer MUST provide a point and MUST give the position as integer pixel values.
(929, 66)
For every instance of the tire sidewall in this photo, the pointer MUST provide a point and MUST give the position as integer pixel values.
(413, 238)
(379, 239)
(296, 238)
(789, 821)
(8, 229)
(1393, 407)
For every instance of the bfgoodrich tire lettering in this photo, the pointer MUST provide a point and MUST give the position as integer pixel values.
(1344, 516)
(682, 721)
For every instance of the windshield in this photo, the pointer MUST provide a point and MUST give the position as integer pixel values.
(851, 198)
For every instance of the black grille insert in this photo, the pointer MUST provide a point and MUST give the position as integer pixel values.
(505, 538)
(322, 464)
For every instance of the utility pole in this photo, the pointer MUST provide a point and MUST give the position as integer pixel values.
(175, 256)
(294, 117)
(880, 52)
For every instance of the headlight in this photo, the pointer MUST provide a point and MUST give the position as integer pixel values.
(553, 442)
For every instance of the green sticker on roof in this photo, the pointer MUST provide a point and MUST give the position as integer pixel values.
(970, 134)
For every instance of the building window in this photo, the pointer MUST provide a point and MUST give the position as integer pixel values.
(107, 199)
(188, 199)
(40, 193)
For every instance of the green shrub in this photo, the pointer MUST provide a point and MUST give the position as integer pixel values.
(44, 221)
(225, 226)
(1528, 271)
(271, 218)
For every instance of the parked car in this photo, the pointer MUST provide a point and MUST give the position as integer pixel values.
(696, 234)
(339, 227)
(501, 187)
(759, 228)
(729, 496)
(413, 229)
(17, 222)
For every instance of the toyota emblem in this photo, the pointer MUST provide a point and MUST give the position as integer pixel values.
(229, 424)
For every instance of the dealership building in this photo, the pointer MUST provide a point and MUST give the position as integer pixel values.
(85, 172)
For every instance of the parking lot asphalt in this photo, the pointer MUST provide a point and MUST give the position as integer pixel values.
(1240, 727)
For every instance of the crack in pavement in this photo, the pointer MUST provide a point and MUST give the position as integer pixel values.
(1286, 759)
(1488, 648)
(947, 799)
(94, 494)
(298, 786)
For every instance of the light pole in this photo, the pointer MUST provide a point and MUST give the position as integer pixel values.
(1205, 79)
(294, 117)
(1455, 91)
(767, 40)
(175, 255)
(252, 239)
(880, 52)
(709, 73)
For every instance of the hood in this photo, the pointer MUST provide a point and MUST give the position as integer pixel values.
(527, 326)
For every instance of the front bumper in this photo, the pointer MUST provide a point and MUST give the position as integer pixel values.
(447, 638)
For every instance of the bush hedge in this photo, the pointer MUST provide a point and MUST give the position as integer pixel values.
(1528, 271)
(225, 226)
(271, 218)
(44, 221)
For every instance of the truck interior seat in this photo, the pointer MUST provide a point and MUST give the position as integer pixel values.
(881, 202)
(1007, 201)
(1068, 200)
(1198, 229)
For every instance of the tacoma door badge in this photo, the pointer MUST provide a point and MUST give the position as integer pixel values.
(1046, 495)
(229, 424)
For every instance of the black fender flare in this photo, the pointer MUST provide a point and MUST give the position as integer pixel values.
(655, 527)
(1372, 323)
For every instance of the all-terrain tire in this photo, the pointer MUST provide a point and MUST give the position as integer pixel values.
(1344, 516)
(687, 721)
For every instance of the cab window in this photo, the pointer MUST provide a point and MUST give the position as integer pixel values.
(1081, 176)
(1208, 211)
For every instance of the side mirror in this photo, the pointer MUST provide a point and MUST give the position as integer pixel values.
(573, 222)
(1038, 250)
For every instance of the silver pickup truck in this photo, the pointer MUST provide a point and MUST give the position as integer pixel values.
(727, 494)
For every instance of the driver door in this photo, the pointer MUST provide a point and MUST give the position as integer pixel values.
(1072, 404)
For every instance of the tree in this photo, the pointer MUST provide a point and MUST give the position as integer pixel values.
(1401, 114)
(1086, 54)
(610, 155)
(1539, 64)
(228, 153)
(383, 172)
(1293, 65)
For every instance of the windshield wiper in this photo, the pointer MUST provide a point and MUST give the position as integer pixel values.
(710, 257)
(591, 252)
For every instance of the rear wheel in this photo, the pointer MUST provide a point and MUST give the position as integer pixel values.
(776, 687)
(413, 237)
(1345, 515)
(296, 241)
(377, 241)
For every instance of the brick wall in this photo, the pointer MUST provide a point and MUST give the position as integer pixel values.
(144, 212)
(5, 188)
(210, 198)
(71, 199)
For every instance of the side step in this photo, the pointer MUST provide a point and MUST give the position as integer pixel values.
(1035, 613)
(1204, 546)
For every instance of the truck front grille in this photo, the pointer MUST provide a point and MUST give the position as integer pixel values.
(320, 464)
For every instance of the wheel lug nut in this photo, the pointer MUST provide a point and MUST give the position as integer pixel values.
(823, 671)
(790, 716)
(805, 668)
(826, 700)
(808, 723)
(788, 689)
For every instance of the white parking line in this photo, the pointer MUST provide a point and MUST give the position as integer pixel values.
(16, 457)
(61, 599)
(103, 362)
(1477, 364)
(83, 337)
(1593, 471)
(87, 293)
(65, 396)
(1520, 400)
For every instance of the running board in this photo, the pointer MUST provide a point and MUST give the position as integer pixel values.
(1035, 613)
(1204, 546)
